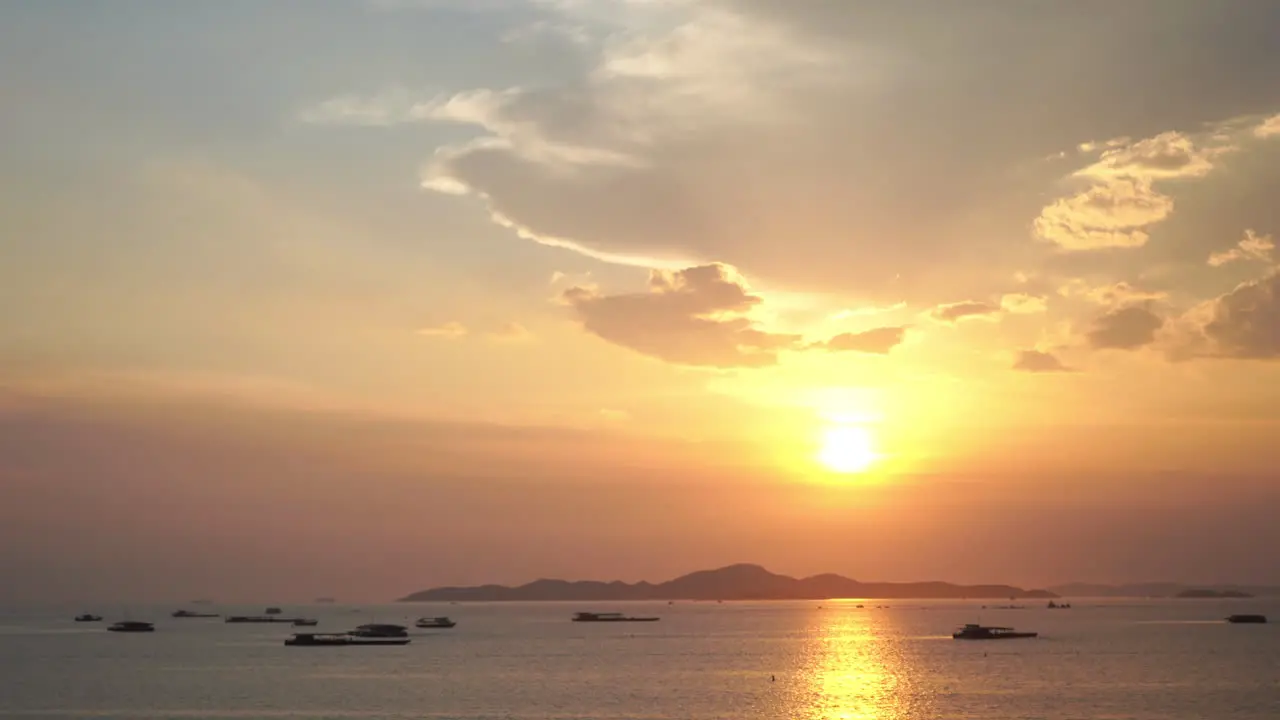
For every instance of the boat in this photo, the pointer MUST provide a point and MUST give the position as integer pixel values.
(1055, 606)
(610, 617)
(192, 614)
(88, 618)
(380, 630)
(273, 611)
(982, 632)
(1247, 619)
(339, 640)
(435, 622)
(305, 622)
(132, 626)
(260, 619)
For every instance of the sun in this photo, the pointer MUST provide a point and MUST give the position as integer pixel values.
(848, 449)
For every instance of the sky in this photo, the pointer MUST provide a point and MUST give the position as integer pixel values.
(356, 297)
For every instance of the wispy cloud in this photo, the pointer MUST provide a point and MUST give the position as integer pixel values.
(512, 332)
(868, 310)
(1252, 247)
(1023, 304)
(1113, 214)
(878, 341)
(1120, 293)
(393, 106)
(1120, 206)
(1268, 128)
(449, 330)
(1036, 361)
(966, 310)
(695, 316)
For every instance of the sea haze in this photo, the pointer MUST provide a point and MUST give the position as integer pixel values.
(1146, 660)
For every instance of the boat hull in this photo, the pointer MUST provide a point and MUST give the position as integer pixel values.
(1247, 619)
(999, 636)
(130, 630)
(617, 620)
(344, 643)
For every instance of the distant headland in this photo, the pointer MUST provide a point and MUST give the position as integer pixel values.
(1165, 590)
(735, 582)
(1208, 594)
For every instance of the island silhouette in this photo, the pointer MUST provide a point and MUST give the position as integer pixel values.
(734, 582)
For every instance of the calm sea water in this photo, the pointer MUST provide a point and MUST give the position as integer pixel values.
(1101, 659)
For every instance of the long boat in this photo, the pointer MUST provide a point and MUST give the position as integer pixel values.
(610, 617)
(380, 630)
(982, 632)
(1247, 619)
(132, 626)
(339, 640)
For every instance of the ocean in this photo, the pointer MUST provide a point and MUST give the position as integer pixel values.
(1102, 659)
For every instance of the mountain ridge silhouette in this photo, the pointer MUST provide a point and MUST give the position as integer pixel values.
(741, 581)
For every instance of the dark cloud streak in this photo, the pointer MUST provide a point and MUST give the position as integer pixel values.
(1127, 328)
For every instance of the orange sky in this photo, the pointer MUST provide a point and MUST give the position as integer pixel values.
(420, 293)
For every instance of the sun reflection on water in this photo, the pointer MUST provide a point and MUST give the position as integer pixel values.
(856, 669)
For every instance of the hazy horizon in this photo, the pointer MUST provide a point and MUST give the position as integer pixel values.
(354, 298)
(236, 502)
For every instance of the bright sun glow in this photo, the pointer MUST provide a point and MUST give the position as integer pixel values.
(848, 449)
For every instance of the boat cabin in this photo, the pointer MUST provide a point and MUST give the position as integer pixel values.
(596, 617)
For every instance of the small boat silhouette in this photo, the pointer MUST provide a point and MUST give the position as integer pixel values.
(981, 632)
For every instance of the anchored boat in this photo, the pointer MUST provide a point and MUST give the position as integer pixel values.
(339, 640)
(380, 630)
(982, 632)
(132, 626)
(193, 614)
(610, 617)
(1247, 619)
